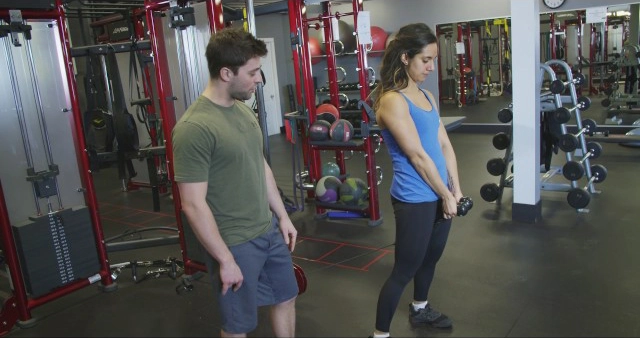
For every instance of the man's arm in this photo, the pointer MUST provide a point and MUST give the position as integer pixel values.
(195, 207)
(277, 206)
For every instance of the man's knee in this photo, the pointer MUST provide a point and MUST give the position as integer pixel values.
(289, 302)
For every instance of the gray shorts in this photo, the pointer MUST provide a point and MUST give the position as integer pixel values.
(269, 279)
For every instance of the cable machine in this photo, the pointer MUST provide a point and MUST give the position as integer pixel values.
(51, 248)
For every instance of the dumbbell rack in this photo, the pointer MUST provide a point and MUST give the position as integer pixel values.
(552, 104)
(497, 166)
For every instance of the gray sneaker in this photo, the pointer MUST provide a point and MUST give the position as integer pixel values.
(428, 316)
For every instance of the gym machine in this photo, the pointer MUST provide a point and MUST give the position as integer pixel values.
(446, 66)
(128, 143)
(554, 117)
(490, 48)
(627, 61)
(466, 84)
(306, 115)
(51, 248)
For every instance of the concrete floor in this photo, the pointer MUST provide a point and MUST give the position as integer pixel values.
(570, 275)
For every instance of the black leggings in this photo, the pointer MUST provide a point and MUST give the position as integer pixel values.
(421, 235)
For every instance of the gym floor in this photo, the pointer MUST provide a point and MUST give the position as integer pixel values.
(570, 274)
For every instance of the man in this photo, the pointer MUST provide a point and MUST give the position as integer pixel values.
(229, 195)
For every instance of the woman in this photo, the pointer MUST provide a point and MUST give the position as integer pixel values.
(425, 189)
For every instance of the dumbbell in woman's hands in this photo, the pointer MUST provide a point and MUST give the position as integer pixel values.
(464, 205)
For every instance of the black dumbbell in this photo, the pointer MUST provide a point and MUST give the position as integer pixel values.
(505, 115)
(579, 198)
(574, 170)
(490, 192)
(557, 86)
(496, 166)
(501, 141)
(464, 205)
(584, 102)
(563, 114)
(569, 142)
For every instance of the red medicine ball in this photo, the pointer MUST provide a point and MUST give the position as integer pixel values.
(341, 130)
(379, 39)
(327, 112)
(315, 50)
(319, 130)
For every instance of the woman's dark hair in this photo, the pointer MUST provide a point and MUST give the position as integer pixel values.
(232, 48)
(410, 40)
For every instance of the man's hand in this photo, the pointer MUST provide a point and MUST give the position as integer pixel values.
(289, 232)
(231, 276)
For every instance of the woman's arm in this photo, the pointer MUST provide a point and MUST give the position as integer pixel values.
(393, 114)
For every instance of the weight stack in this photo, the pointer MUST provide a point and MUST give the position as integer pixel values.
(56, 249)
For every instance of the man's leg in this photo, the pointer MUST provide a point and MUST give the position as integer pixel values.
(283, 318)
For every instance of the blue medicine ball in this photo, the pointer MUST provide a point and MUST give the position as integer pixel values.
(330, 169)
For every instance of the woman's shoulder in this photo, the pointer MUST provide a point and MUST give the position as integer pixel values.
(392, 97)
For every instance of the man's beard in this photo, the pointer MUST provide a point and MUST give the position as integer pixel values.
(241, 95)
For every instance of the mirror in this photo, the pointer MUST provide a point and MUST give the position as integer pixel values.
(475, 64)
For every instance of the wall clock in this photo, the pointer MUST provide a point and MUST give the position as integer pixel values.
(553, 4)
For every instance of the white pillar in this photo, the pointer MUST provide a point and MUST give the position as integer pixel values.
(525, 55)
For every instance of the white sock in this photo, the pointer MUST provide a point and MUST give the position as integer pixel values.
(419, 305)
(378, 334)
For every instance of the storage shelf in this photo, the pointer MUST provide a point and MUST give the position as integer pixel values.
(331, 145)
(339, 206)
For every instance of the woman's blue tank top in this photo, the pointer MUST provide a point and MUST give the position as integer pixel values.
(407, 185)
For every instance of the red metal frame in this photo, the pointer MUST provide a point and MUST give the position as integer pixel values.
(167, 109)
(302, 64)
(153, 10)
(579, 40)
(462, 99)
(18, 306)
(215, 15)
(305, 91)
(139, 31)
(592, 58)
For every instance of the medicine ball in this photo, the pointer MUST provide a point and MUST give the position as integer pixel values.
(319, 130)
(341, 130)
(327, 189)
(353, 191)
(379, 39)
(348, 39)
(315, 50)
(330, 169)
(327, 112)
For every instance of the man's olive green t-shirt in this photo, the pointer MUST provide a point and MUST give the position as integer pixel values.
(223, 146)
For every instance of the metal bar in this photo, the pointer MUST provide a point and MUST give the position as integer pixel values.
(24, 132)
(82, 156)
(143, 243)
(369, 152)
(262, 114)
(215, 15)
(167, 109)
